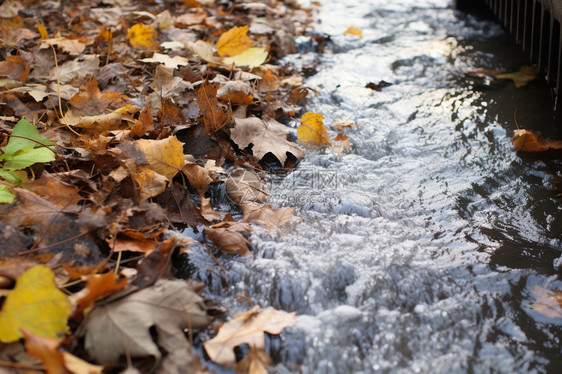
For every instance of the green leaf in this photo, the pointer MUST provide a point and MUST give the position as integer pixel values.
(6, 196)
(28, 158)
(27, 130)
(10, 176)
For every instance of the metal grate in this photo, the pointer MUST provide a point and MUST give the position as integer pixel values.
(535, 25)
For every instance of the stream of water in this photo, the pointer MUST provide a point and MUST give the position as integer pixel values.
(420, 248)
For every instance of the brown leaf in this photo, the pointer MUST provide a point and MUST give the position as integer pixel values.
(98, 287)
(198, 177)
(244, 186)
(248, 327)
(547, 302)
(144, 124)
(91, 101)
(255, 362)
(63, 196)
(265, 137)
(272, 218)
(230, 238)
(123, 327)
(529, 141)
(214, 116)
(14, 67)
(341, 143)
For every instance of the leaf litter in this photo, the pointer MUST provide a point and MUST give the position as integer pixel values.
(120, 118)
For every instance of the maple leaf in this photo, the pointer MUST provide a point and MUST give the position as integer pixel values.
(265, 136)
(142, 36)
(352, 30)
(214, 117)
(248, 327)
(123, 327)
(91, 101)
(35, 304)
(312, 129)
(234, 41)
(164, 156)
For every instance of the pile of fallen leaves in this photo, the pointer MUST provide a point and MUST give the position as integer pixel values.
(116, 118)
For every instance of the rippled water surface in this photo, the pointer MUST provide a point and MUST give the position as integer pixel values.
(419, 249)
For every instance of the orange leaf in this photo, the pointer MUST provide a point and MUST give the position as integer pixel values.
(312, 129)
(234, 41)
(528, 141)
(14, 68)
(91, 101)
(46, 350)
(99, 286)
(214, 116)
(352, 30)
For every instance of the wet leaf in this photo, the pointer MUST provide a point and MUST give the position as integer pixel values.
(251, 58)
(164, 157)
(271, 218)
(35, 304)
(234, 41)
(265, 137)
(142, 36)
(229, 237)
(341, 143)
(547, 302)
(312, 130)
(249, 328)
(529, 141)
(123, 327)
(521, 78)
(352, 30)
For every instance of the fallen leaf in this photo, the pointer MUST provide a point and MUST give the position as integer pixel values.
(265, 136)
(73, 46)
(164, 156)
(483, 72)
(547, 302)
(529, 141)
(169, 62)
(123, 327)
(149, 182)
(63, 196)
(46, 350)
(214, 116)
(341, 143)
(98, 287)
(35, 304)
(78, 68)
(234, 41)
(252, 58)
(78, 366)
(271, 218)
(14, 67)
(269, 82)
(249, 328)
(345, 124)
(244, 186)
(255, 362)
(525, 75)
(205, 51)
(352, 30)
(312, 129)
(90, 100)
(377, 86)
(229, 237)
(142, 36)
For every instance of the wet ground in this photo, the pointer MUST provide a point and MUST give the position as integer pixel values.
(420, 248)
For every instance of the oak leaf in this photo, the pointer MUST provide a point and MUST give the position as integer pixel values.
(248, 327)
(265, 136)
(35, 304)
(164, 156)
(234, 41)
(312, 129)
(142, 36)
(124, 327)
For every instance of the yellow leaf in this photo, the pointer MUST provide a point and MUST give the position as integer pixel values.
(352, 30)
(150, 183)
(252, 57)
(522, 77)
(42, 31)
(234, 41)
(164, 156)
(35, 304)
(142, 36)
(312, 130)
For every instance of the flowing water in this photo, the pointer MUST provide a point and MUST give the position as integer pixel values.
(419, 249)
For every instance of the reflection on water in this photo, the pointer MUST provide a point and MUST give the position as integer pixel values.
(419, 249)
